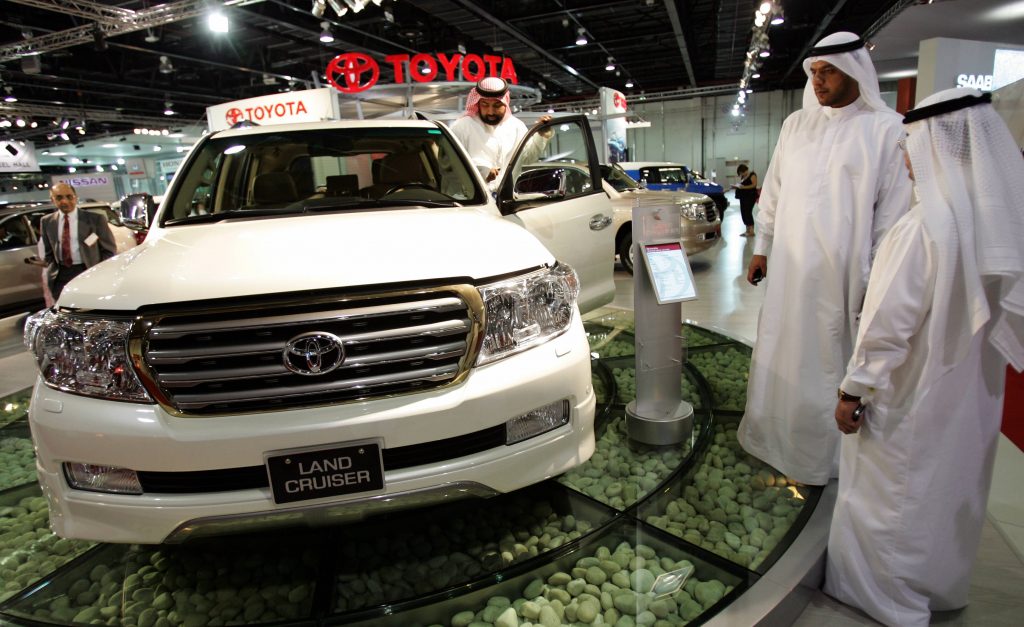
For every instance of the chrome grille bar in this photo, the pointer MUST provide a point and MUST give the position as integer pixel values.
(192, 401)
(169, 331)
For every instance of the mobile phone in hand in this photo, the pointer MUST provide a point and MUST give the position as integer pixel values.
(758, 275)
(857, 413)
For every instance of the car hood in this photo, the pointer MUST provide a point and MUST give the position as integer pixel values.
(705, 187)
(306, 252)
(665, 196)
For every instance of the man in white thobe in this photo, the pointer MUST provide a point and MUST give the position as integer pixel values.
(943, 315)
(835, 185)
(488, 130)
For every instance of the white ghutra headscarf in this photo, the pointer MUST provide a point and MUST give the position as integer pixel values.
(846, 51)
(969, 176)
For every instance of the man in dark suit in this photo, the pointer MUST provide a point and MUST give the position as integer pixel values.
(74, 240)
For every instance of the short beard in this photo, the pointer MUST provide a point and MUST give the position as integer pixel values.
(493, 120)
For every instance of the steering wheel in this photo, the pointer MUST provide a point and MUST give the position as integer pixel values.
(404, 186)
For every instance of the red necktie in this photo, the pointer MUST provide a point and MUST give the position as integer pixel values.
(65, 243)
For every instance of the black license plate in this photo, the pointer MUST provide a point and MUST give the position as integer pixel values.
(304, 474)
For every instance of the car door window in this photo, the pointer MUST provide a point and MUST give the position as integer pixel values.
(650, 175)
(14, 233)
(551, 164)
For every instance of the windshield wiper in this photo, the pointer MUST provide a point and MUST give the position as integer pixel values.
(231, 215)
(334, 204)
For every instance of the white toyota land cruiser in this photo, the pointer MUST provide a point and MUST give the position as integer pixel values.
(326, 320)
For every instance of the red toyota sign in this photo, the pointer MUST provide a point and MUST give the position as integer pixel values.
(353, 72)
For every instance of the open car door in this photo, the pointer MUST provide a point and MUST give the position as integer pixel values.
(552, 188)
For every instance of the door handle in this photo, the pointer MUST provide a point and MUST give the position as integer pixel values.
(599, 221)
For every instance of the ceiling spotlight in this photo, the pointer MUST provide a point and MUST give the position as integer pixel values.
(755, 75)
(218, 22)
(325, 35)
(764, 54)
(778, 18)
(168, 108)
(336, 6)
(611, 65)
(629, 84)
(151, 36)
(165, 65)
(766, 8)
(319, 6)
(19, 122)
(581, 37)
(9, 97)
(65, 137)
(33, 124)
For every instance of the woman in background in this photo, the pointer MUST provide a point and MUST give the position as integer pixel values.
(746, 193)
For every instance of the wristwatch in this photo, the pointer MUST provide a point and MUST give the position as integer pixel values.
(843, 396)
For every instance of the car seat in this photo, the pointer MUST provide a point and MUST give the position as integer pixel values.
(273, 189)
(395, 170)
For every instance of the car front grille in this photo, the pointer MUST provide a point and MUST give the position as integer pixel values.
(232, 358)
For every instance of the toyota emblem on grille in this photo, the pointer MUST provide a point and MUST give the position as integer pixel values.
(314, 353)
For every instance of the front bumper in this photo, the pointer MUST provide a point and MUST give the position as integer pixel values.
(72, 428)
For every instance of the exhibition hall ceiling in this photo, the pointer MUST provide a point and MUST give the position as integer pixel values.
(119, 65)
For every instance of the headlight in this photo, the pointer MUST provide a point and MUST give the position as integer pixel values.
(87, 356)
(692, 211)
(526, 311)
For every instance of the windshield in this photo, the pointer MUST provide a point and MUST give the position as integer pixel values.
(323, 169)
(617, 178)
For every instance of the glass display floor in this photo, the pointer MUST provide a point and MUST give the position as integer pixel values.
(638, 535)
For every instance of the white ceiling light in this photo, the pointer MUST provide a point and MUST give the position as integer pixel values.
(340, 10)
(326, 36)
(611, 65)
(168, 108)
(151, 36)
(218, 22)
(766, 8)
(581, 37)
(165, 65)
(629, 84)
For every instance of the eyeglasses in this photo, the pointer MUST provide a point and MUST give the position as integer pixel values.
(902, 143)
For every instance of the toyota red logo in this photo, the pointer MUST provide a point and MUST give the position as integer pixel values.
(234, 116)
(346, 71)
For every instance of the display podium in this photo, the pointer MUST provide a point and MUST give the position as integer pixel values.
(658, 415)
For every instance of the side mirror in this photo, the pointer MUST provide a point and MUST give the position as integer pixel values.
(540, 184)
(137, 210)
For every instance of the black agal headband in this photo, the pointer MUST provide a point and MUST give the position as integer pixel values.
(837, 48)
(946, 106)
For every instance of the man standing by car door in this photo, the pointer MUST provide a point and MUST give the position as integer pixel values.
(835, 185)
(73, 240)
(488, 130)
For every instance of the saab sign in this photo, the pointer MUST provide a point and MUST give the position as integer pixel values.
(353, 72)
(975, 81)
(312, 105)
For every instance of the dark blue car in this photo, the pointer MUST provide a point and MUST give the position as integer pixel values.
(663, 175)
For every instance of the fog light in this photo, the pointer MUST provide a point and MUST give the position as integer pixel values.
(536, 422)
(102, 478)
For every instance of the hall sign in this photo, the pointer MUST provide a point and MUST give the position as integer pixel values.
(975, 81)
(353, 72)
(311, 105)
(18, 156)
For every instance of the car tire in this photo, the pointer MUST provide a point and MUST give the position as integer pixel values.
(626, 252)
